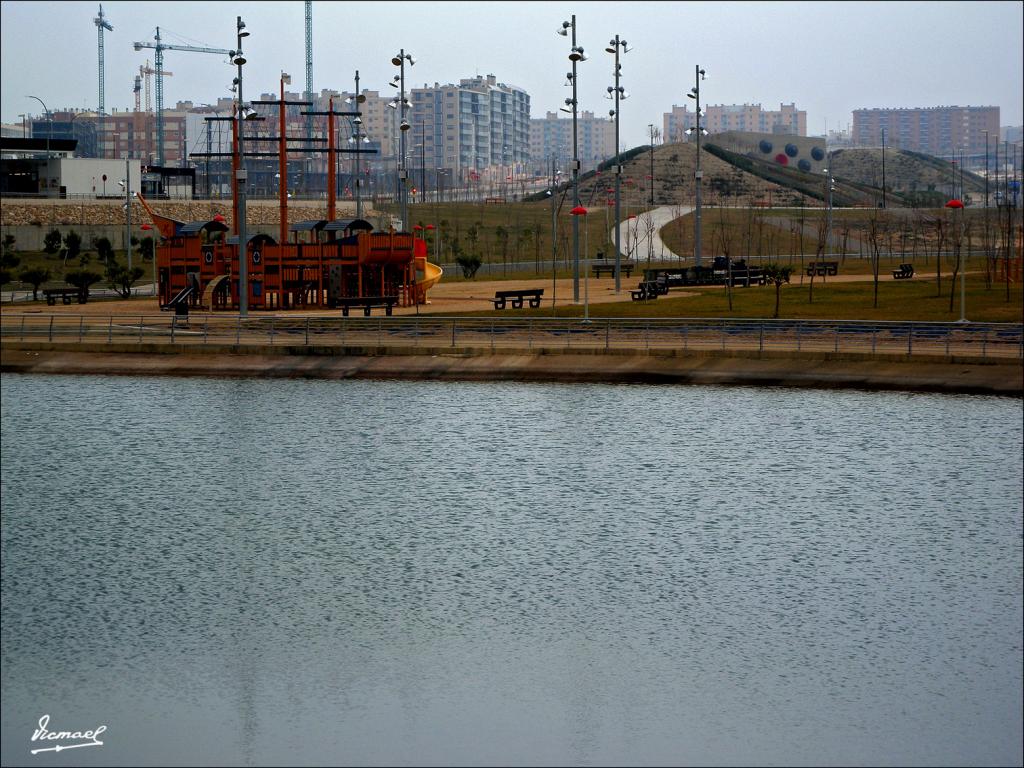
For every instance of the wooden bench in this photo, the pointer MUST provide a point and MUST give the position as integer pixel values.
(822, 268)
(905, 271)
(66, 295)
(517, 297)
(648, 289)
(609, 267)
(366, 302)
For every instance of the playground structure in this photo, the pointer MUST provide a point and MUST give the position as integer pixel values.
(318, 263)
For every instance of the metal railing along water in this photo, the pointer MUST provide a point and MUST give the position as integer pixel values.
(984, 340)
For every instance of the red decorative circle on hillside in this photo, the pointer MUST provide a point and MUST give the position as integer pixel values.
(781, 159)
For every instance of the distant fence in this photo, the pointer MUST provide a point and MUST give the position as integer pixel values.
(981, 340)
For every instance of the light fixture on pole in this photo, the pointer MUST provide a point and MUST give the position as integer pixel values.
(399, 61)
(126, 184)
(575, 55)
(554, 230)
(830, 181)
(242, 178)
(695, 94)
(358, 99)
(49, 133)
(618, 94)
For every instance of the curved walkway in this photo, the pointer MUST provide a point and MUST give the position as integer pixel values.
(636, 241)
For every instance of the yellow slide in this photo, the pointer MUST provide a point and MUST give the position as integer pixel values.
(431, 276)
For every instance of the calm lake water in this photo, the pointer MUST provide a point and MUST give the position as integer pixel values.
(316, 572)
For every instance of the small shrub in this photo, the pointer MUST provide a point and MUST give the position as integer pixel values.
(52, 241)
(469, 265)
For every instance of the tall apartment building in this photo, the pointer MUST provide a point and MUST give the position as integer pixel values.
(477, 128)
(551, 137)
(719, 118)
(933, 130)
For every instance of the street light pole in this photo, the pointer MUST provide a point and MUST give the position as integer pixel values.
(828, 218)
(698, 175)
(403, 126)
(49, 133)
(613, 47)
(242, 179)
(554, 232)
(883, 168)
(651, 127)
(128, 211)
(575, 55)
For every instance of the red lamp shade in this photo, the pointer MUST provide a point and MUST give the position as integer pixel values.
(417, 227)
(954, 203)
(430, 226)
(579, 210)
(146, 226)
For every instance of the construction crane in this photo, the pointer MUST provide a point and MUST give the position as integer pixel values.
(160, 47)
(101, 24)
(309, 72)
(143, 122)
(146, 71)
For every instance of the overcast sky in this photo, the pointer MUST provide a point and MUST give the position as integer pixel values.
(828, 57)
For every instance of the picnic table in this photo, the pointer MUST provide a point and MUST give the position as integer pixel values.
(65, 294)
(648, 289)
(517, 297)
(905, 271)
(822, 268)
(600, 267)
(366, 302)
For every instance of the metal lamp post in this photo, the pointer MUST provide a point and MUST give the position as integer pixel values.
(883, 168)
(359, 98)
(49, 133)
(575, 55)
(403, 126)
(698, 175)
(578, 211)
(242, 178)
(956, 203)
(127, 184)
(830, 181)
(618, 94)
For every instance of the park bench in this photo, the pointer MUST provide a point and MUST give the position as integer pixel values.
(648, 289)
(905, 271)
(822, 268)
(517, 297)
(609, 267)
(366, 302)
(65, 294)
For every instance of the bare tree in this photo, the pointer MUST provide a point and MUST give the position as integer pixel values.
(941, 231)
(874, 237)
(960, 236)
(777, 274)
(724, 236)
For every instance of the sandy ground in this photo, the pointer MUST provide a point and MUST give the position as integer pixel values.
(444, 298)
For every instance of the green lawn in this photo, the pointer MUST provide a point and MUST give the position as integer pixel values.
(904, 300)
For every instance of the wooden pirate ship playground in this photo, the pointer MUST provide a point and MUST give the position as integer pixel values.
(327, 263)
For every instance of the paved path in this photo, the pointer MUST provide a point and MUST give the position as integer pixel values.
(637, 243)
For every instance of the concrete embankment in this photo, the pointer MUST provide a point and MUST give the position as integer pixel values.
(817, 370)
